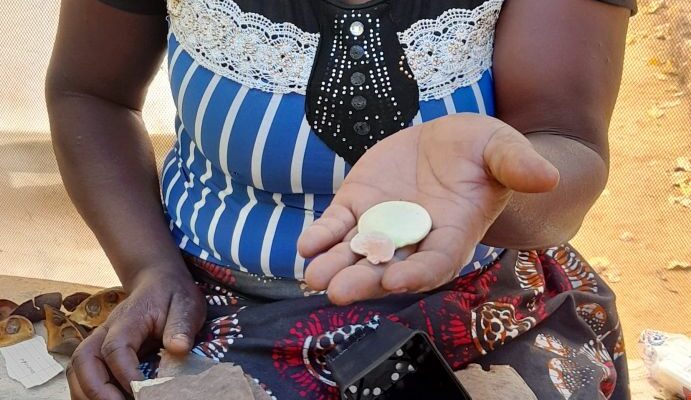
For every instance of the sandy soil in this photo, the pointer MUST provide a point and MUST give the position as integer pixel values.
(644, 151)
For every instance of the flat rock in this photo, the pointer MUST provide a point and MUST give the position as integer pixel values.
(499, 383)
(222, 381)
(192, 364)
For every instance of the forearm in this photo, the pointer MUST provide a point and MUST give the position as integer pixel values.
(108, 167)
(535, 221)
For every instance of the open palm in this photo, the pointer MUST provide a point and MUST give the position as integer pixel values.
(461, 168)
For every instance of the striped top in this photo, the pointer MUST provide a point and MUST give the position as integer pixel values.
(247, 174)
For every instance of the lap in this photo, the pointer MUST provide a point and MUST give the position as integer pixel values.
(545, 313)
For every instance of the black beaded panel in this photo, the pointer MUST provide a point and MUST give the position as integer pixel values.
(361, 89)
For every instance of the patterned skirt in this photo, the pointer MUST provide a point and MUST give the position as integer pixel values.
(545, 313)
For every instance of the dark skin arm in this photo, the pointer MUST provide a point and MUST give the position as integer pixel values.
(102, 64)
(557, 69)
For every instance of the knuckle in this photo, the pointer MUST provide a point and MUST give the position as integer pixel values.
(78, 358)
(111, 345)
(92, 392)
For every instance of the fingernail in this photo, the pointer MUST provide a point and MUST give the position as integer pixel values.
(400, 290)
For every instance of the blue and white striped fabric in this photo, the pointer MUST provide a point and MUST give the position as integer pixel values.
(247, 175)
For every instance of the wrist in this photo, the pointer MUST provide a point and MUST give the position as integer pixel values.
(155, 271)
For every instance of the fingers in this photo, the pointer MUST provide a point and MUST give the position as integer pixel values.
(119, 350)
(323, 268)
(88, 376)
(514, 162)
(421, 272)
(327, 231)
(76, 392)
(185, 318)
(438, 260)
(362, 281)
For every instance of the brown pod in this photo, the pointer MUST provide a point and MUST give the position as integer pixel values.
(6, 308)
(29, 311)
(52, 299)
(33, 309)
(72, 301)
(15, 329)
(63, 335)
(94, 311)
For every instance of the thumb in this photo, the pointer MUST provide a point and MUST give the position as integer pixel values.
(514, 162)
(182, 325)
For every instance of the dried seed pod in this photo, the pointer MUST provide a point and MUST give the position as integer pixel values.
(33, 309)
(6, 308)
(15, 329)
(72, 301)
(93, 311)
(63, 335)
(52, 299)
(29, 311)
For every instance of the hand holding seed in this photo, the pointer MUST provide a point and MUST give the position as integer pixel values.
(452, 176)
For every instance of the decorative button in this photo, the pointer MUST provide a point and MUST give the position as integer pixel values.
(358, 79)
(356, 52)
(361, 128)
(357, 28)
(358, 102)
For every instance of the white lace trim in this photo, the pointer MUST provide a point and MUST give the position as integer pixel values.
(445, 53)
(451, 51)
(246, 47)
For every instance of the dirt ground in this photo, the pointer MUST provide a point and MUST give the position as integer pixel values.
(633, 225)
(631, 235)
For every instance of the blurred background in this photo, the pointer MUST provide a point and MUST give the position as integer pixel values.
(638, 235)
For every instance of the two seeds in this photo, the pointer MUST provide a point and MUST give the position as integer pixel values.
(389, 226)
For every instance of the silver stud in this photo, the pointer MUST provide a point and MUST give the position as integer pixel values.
(357, 28)
(361, 128)
(356, 52)
(358, 79)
